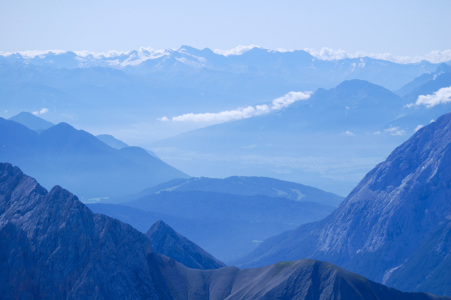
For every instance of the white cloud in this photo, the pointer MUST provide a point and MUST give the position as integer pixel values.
(236, 51)
(349, 133)
(224, 116)
(395, 131)
(242, 112)
(163, 119)
(332, 54)
(418, 128)
(33, 53)
(41, 112)
(289, 99)
(441, 96)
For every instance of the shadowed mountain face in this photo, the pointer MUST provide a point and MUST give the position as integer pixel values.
(76, 159)
(396, 221)
(166, 241)
(53, 247)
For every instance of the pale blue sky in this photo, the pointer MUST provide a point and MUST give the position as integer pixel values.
(400, 27)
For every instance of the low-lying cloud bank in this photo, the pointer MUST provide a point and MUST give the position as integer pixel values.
(145, 53)
(243, 112)
(441, 96)
(437, 56)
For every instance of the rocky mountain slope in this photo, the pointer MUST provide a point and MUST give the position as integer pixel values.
(54, 247)
(166, 241)
(396, 221)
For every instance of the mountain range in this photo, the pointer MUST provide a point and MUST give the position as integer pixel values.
(298, 143)
(394, 227)
(74, 158)
(146, 85)
(145, 89)
(55, 247)
(241, 221)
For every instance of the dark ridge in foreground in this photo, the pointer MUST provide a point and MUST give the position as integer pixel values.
(167, 241)
(304, 279)
(54, 247)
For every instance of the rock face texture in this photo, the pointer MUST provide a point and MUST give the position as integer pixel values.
(54, 247)
(304, 279)
(167, 241)
(394, 224)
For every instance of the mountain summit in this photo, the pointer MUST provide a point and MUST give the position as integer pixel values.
(397, 219)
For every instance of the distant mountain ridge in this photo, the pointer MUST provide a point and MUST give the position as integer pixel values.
(246, 186)
(111, 141)
(76, 159)
(54, 247)
(32, 121)
(396, 221)
(299, 143)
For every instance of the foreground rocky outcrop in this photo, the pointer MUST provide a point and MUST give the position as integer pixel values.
(54, 247)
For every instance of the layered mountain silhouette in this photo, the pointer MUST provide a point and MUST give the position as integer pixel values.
(54, 247)
(166, 241)
(241, 221)
(426, 84)
(393, 227)
(74, 158)
(299, 143)
(111, 141)
(141, 86)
